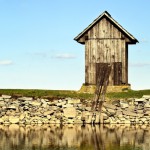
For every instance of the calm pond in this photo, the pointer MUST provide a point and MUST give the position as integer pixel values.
(74, 137)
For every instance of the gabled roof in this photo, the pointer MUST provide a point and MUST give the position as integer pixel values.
(107, 15)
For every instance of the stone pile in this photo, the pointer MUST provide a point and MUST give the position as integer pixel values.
(27, 110)
(134, 111)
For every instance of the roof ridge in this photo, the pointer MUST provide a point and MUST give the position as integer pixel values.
(105, 13)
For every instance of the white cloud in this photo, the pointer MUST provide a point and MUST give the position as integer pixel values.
(139, 64)
(65, 56)
(5, 62)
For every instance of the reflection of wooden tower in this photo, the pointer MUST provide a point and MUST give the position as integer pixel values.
(106, 42)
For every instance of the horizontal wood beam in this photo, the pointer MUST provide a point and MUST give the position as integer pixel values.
(106, 38)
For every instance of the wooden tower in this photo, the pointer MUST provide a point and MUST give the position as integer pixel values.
(106, 41)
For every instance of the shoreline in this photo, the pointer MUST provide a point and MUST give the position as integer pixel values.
(29, 110)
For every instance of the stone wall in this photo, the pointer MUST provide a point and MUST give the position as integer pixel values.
(27, 110)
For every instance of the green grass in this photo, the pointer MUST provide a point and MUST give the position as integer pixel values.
(52, 94)
(129, 94)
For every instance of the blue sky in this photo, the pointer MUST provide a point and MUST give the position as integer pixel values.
(37, 46)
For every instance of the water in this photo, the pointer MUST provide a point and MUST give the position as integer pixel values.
(74, 137)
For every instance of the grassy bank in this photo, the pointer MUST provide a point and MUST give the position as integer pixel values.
(129, 94)
(52, 94)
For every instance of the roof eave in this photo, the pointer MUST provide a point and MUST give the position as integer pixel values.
(111, 19)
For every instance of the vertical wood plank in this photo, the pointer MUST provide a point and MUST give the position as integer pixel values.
(102, 28)
(98, 52)
(90, 35)
(126, 63)
(87, 62)
(123, 63)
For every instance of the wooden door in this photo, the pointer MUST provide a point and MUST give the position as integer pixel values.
(117, 73)
(101, 69)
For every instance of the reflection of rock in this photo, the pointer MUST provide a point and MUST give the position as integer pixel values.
(74, 136)
(14, 127)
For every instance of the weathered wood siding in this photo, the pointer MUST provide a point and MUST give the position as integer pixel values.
(105, 44)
